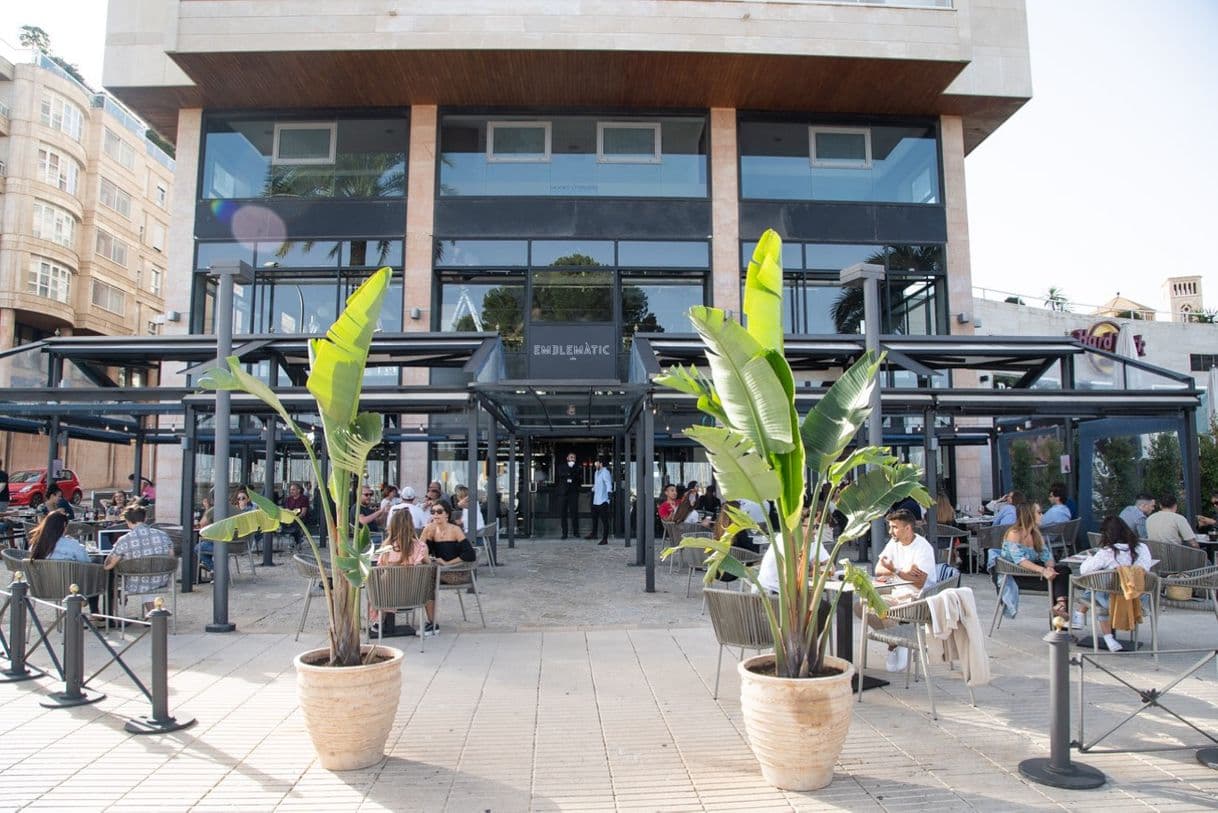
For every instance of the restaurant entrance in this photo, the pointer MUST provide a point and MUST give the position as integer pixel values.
(542, 506)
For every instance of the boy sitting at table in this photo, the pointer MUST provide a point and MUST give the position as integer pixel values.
(909, 558)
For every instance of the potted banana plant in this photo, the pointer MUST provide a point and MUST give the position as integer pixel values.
(348, 692)
(796, 702)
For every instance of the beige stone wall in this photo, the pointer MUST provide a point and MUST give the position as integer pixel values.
(725, 210)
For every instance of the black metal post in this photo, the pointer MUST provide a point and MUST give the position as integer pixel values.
(639, 519)
(1058, 770)
(471, 520)
(17, 670)
(54, 376)
(624, 490)
(160, 722)
(647, 498)
(73, 693)
(492, 485)
(514, 500)
(930, 454)
(137, 463)
(268, 477)
(186, 504)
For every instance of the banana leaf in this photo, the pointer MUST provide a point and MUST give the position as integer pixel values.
(829, 428)
(763, 292)
(742, 474)
(238, 526)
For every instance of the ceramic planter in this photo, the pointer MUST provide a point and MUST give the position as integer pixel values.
(349, 710)
(796, 727)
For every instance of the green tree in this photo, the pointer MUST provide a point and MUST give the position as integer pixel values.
(1163, 473)
(1032, 472)
(156, 138)
(1056, 300)
(32, 36)
(1116, 475)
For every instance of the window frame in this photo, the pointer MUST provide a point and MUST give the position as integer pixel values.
(41, 209)
(45, 270)
(527, 158)
(156, 278)
(112, 291)
(67, 169)
(116, 244)
(119, 195)
(655, 126)
(121, 147)
(839, 163)
(70, 125)
(281, 126)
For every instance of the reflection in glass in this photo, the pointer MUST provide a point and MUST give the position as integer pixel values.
(370, 161)
(480, 304)
(560, 253)
(776, 164)
(658, 304)
(572, 296)
(573, 168)
(481, 253)
(662, 254)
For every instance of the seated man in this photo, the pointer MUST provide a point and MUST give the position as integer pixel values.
(1004, 507)
(297, 501)
(1058, 511)
(1203, 520)
(139, 541)
(1166, 525)
(1135, 515)
(910, 558)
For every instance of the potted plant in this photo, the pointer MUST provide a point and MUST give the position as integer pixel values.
(348, 692)
(796, 701)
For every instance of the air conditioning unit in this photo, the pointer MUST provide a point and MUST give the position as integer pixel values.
(173, 316)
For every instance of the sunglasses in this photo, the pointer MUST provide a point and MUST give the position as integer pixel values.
(367, 494)
(243, 499)
(438, 511)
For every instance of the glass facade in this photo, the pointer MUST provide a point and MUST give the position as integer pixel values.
(261, 157)
(573, 156)
(873, 163)
(913, 296)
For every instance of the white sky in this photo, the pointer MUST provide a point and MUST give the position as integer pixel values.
(1106, 181)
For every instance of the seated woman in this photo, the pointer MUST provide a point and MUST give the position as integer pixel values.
(671, 503)
(1023, 545)
(116, 505)
(49, 540)
(447, 545)
(401, 547)
(687, 517)
(1119, 547)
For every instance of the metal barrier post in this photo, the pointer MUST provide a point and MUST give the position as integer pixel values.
(1058, 771)
(73, 693)
(159, 722)
(17, 670)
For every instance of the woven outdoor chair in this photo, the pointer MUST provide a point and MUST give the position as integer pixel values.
(1007, 570)
(945, 535)
(1175, 558)
(739, 619)
(987, 539)
(671, 538)
(693, 558)
(913, 621)
(242, 547)
(166, 566)
(483, 540)
(309, 570)
(1093, 538)
(464, 567)
(1204, 579)
(403, 587)
(52, 580)
(14, 561)
(1106, 581)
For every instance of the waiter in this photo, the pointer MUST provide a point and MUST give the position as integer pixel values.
(567, 484)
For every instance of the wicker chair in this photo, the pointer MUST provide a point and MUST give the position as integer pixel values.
(482, 540)
(1093, 538)
(459, 588)
(14, 560)
(309, 570)
(1174, 558)
(1106, 581)
(671, 538)
(242, 547)
(987, 539)
(166, 566)
(1204, 579)
(403, 587)
(945, 535)
(1061, 537)
(739, 619)
(1007, 570)
(52, 579)
(911, 630)
(693, 558)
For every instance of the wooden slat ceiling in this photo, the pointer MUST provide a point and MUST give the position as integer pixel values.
(538, 79)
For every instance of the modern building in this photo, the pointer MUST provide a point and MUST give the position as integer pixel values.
(84, 223)
(568, 174)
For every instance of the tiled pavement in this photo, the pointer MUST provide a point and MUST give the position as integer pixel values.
(584, 716)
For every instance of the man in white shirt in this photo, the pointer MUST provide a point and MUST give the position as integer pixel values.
(1166, 525)
(1058, 512)
(910, 558)
(602, 487)
(418, 514)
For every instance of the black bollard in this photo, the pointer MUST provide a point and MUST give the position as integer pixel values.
(1058, 770)
(17, 670)
(73, 693)
(1208, 757)
(268, 550)
(159, 722)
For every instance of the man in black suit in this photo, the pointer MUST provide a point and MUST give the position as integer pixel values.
(567, 485)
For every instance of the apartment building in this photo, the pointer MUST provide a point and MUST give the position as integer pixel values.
(557, 171)
(84, 224)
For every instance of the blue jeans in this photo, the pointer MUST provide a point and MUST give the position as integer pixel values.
(204, 551)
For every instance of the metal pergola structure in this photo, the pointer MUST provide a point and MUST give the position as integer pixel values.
(626, 411)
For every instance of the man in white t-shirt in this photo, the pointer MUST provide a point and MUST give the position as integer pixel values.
(418, 514)
(910, 558)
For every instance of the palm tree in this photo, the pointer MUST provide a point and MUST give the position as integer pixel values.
(1056, 300)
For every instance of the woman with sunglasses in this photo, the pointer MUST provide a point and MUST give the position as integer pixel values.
(205, 549)
(448, 546)
(402, 547)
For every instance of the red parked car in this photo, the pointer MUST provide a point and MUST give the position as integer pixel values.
(29, 487)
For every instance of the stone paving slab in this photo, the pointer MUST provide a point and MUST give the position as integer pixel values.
(586, 716)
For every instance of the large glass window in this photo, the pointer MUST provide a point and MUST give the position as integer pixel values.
(572, 296)
(573, 156)
(791, 160)
(54, 224)
(114, 198)
(60, 114)
(58, 170)
(49, 279)
(360, 158)
(658, 303)
(912, 296)
(484, 302)
(108, 297)
(111, 247)
(114, 146)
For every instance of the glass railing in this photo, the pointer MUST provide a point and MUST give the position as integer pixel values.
(4, 110)
(136, 126)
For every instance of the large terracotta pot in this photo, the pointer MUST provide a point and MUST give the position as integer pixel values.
(796, 727)
(348, 710)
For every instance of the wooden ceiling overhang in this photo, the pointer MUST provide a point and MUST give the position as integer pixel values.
(547, 79)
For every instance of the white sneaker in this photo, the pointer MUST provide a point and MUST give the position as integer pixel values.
(898, 659)
(1113, 644)
(1078, 620)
